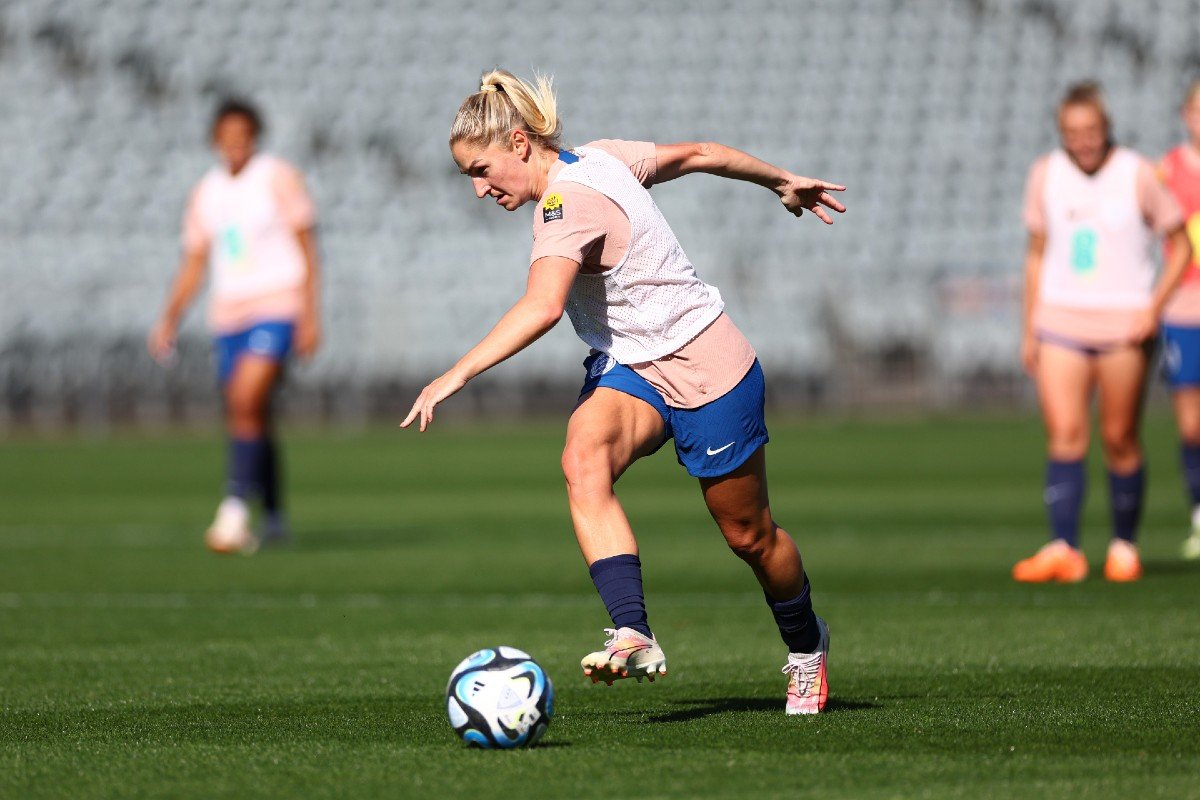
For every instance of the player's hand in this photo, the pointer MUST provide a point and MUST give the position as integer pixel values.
(431, 395)
(1029, 352)
(799, 193)
(161, 342)
(1144, 327)
(308, 335)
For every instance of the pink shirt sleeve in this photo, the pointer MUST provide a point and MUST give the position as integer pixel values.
(196, 234)
(1159, 207)
(640, 157)
(295, 205)
(1034, 210)
(571, 221)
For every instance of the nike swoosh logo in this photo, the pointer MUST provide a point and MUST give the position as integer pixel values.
(712, 452)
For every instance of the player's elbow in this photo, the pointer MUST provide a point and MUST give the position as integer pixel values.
(704, 155)
(547, 313)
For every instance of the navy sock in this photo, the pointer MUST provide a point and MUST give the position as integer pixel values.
(796, 620)
(1190, 454)
(1065, 485)
(269, 477)
(1125, 494)
(245, 467)
(618, 579)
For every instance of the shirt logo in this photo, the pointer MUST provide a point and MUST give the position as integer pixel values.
(601, 365)
(552, 208)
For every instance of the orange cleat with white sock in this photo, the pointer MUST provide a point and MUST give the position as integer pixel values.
(1123, 564)
(1056, 562)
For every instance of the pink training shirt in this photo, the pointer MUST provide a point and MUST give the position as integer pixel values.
(248, 223)
(1180, 171)
(1097, 271)
(594, 232)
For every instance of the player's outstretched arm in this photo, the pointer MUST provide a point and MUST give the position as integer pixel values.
(796, 192)
(529, 319)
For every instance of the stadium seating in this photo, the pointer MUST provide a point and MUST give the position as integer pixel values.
(929, 110)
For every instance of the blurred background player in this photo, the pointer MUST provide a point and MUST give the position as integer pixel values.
(252, 219)
(666, 361)
(1093, 209)
(1180, 170)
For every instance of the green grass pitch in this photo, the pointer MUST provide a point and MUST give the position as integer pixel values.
(135, 664)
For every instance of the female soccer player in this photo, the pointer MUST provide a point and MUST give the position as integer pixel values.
(252, 218)
(1091, 312)
(666, 361)
(1180, 170)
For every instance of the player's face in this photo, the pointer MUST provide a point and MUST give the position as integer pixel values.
(1191, 119)
(233, 138)
(1084, 134)
(495, 172)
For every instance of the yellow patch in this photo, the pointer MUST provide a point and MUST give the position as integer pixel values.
(553, 201)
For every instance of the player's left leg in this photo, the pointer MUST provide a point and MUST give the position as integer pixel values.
(740, 506)
(1121, 378)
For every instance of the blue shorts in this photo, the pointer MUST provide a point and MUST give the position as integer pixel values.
(271, 340)
(1181, 356)
(710, 441)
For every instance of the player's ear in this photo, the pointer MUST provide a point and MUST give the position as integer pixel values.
(520, 144)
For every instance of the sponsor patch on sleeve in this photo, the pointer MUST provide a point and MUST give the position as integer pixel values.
(552, 208)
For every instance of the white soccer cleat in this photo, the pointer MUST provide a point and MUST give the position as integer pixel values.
(808, 688)
(230, 531)
(1191, 545)
(626, 654)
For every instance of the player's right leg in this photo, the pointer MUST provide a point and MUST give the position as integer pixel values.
(247, 397)
(608, 431)
(1181, 367)
(1065, 378)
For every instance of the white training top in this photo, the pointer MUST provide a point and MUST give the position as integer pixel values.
(651, 303)
(1098, 243)
(250, 220)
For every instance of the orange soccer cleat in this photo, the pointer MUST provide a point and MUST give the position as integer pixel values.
(1123, 564)
(1056, 561)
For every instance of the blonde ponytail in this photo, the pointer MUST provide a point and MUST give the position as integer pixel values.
(505, 103)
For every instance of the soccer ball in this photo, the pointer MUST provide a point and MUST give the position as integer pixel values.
(499, 697)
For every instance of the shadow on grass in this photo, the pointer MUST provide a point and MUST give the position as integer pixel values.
(1171, 567)
(324, 541)
(698, 709)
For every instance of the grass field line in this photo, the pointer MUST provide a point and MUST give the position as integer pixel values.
(14, 601)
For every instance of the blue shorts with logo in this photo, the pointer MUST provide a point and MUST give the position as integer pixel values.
(710, 441)
(271, 340)
(1181, 356)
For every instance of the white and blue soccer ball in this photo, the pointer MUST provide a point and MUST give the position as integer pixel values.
(499, 697)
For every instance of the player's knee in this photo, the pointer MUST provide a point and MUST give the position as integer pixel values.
(246, 410)
(1120, 439)
(586, 467)
(1068, 441)
(750, 537)
(1189, 432)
